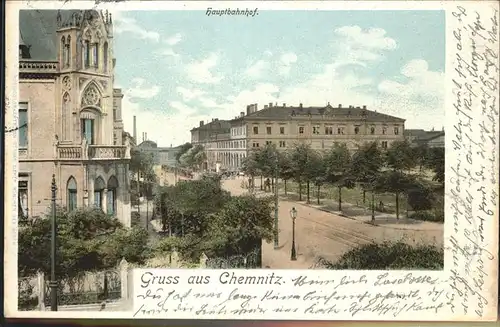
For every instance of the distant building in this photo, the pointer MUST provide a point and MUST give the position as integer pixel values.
(214, 137)
(285, 126)
(164, 158)
(433, 139)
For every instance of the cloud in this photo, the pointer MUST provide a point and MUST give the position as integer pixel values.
(129, 26)
(174, 39)
(189, 94)
(257, 69)
(168, 53)
(423, 90)
(200, 71)
(286, 62)
(138, 90)
(356, 45)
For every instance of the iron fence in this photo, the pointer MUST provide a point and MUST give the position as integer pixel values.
(87, 288)
(248, 261)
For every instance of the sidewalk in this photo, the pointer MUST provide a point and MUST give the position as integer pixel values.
(351, 211)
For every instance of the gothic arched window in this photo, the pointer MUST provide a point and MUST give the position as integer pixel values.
(67, 49)
(63, 50)
(86, 54)
(72, 194)
(105, 56)
(95, 55)
(66, 114)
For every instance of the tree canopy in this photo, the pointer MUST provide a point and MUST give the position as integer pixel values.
(206, 219)
(87, 240)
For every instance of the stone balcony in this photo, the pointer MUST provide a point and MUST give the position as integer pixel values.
(93, 152)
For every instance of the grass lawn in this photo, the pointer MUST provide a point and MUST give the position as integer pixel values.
(353, 196)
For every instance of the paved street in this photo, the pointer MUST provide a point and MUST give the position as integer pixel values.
(323, 234)
(144, 211)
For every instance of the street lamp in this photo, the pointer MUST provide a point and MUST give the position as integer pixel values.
(53, 248)
(293, 214)
(276, 199)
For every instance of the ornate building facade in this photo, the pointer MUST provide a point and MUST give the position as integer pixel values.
(70, 120)
(321, 127)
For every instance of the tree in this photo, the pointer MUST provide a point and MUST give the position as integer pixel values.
(400, 156)
(193, 158)
(142, 167)
(266, 161)
(88, 239)
(211, 221)
(317, 172)
(300, 158)
(421, 153)
(250, 165)
(366, 164)
(285, 169)
(337, 164)
(395, 182)
(435, 162)
(182, 149)
(240, 226)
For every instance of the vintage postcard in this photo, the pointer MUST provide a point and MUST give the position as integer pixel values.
(252, 160)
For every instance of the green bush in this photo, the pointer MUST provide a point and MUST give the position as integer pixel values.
(390, 256)
(434, 216)
(135, 219)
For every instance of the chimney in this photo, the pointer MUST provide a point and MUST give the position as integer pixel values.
(145, 136)
(266, 106)
(135, 129)
(364, 107)
(255, 106)
(213, 119)
(270, 104)
(300, 105)
(216, 119)
(340, 105)
(248, 110)
(284, 104)
(201, 123)
(242, 114)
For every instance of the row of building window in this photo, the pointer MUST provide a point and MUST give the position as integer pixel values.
(328, 130)
(87, 127)
(90, 53)
(71, 200)
(238, 131)
(282, 144)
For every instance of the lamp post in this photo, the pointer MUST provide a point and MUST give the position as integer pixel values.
(373, 205)
(276, 199)
(293, 214)
(53, 248)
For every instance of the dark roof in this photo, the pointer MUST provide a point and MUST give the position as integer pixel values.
(421, 134)
(434, 136)
(280, 112)
(37, 29)
(214, 125)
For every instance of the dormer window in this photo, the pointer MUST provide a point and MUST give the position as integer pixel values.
(293, 112)
(372, 130)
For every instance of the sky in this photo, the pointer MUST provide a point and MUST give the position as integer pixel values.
(177, 68)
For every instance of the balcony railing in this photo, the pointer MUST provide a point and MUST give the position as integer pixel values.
(93, 152)
(37, 66)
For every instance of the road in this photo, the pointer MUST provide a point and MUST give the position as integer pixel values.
(146, 211)
(323, 234)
